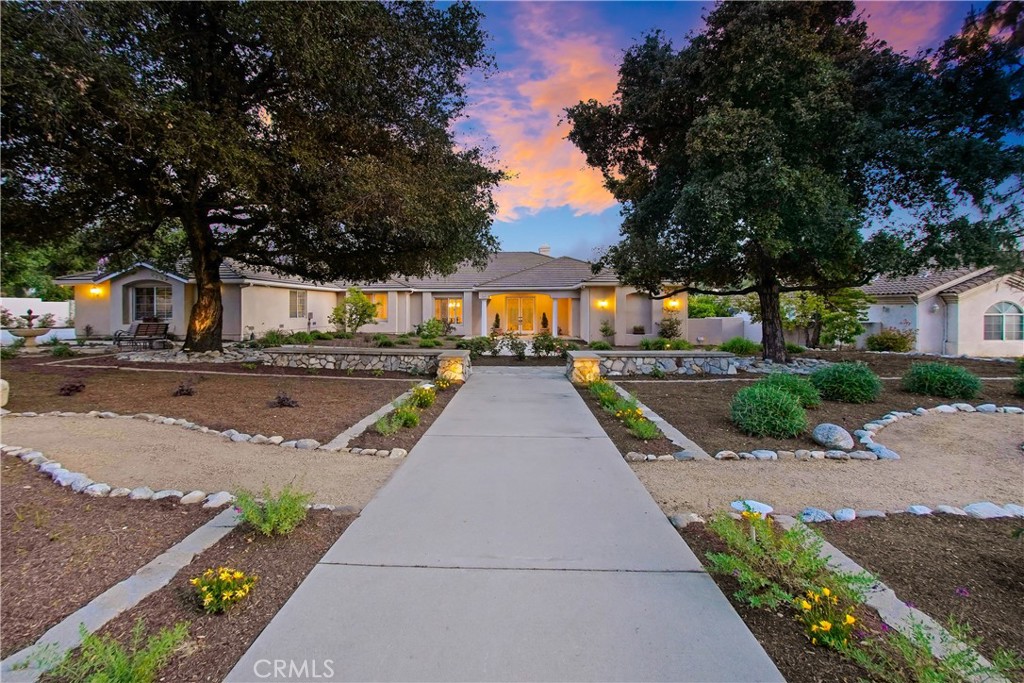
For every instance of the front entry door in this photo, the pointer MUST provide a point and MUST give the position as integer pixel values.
(519, 312)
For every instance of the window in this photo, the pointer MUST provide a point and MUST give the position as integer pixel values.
(151, 302)
(449, 310)
(381, 299)
(1004, 322)
(296, 303)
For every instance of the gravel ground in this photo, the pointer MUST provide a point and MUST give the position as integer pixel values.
(136, 453)
(952, 459)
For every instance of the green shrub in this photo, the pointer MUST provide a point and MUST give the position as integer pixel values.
(670, 326)
(847, 382)
(430, 343)
(797, 386)
(655, 344)
(604, 392)
(515, 345)
(564, 347)
(740, 347)
(343, 335)
(642, 428)
(354, 311)
(385, 426)
(405, 415)
(680, 345)
(103, 659)
(322, 336)
(891, 339)
(300, 338)
(61, 351)
(423, 397)
(600, 346)
(478, 346)
(385, 343)
(8, 353)
(794, 349)
(544, 345)
(941, 379)
(430, 329)
(275, 515)
(768, 411)
(273, 338)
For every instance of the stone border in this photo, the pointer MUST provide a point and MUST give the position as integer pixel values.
(688, 450)
(872, 450)
(980, 510)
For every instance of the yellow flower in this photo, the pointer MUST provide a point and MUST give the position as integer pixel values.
(814, 641)
(849, 619)
(226, 595)
(825, 625)
(207, 600)
(814, 628)
(805, 605)
(208, 572)
(195, 581)
(224, 576)
(835, 601)
(826, 592)
(238, 575)
(204, 588)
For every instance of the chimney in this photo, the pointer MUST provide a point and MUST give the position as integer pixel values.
(545, 249)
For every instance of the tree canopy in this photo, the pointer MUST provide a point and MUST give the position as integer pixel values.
(783, 149)
(310, 139)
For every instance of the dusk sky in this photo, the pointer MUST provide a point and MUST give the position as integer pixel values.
(553, 54)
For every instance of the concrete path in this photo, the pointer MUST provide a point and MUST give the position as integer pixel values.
(514, 544)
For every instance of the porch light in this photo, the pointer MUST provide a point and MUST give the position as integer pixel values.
(602, 303)
(95, 291)
(672, 303)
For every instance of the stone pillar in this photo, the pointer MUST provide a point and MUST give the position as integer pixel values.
(583, 367)
(554, 317)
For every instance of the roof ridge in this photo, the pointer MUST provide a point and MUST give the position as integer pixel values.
(517, 272)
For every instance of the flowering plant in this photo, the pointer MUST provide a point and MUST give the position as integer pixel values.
(828, 620)
(442, 383)
(423, 396)
(220, 588)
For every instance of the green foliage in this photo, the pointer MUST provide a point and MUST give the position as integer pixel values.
(515, 345)
(354, 311)
(354, 174)
(272, 338)
(275, 515)
(405, 415)
(300, 338)
(607, 328)
(423, 397)
(709, 306)
(758, 152)
(544, 321)
(604, 392)
(8, 353)
(29, 270)
(319, 335)
(600, 346)
(7, 319)
(794, 349)
(764, 410)
(941, 379)
(101, 659)
(642, 428)
(670, 326)
(840, 328)
(563, 347)
(681, 345)
(657, 373)
(1018, 384)
(61, 350)
(740, 346)
(430, 329)
(654, 344)
(220, 588)
(478, 346)
(385, 426)
(847, 382)
(892, 339)
(430, 343)
(795, 385)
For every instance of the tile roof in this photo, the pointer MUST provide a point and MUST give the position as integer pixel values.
(992, 274)
(916, 284)
(501, 264)
(559, 273)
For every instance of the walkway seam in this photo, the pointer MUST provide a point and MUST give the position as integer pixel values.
(31, 662)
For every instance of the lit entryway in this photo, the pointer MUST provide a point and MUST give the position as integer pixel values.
(520, 312)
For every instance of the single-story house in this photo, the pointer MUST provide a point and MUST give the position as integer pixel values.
(523, 292)
(968, 311)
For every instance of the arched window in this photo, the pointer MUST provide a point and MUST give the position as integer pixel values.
(1004, 321)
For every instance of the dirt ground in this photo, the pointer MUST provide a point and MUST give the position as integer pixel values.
(134, 453)
(945, 459)
(895, 364)
(700, 410)
(62, 549)
(961, 568)
(620, 434)
(326, 406)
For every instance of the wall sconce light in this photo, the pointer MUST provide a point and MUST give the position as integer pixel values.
(934, 308)
(95, 291)
(672, 303)
(602, 303)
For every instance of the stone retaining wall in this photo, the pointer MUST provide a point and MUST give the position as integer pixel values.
(422, 362)
(580, 364)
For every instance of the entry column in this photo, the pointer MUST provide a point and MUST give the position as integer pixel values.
(483, 316)
(554, 317)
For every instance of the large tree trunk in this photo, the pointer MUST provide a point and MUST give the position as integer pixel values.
(814, 333)
(205, 324)
(772, 339)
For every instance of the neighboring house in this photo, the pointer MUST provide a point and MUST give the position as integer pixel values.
(523, 289)
(970, 311)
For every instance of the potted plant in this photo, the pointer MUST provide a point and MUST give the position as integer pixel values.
(544, 321)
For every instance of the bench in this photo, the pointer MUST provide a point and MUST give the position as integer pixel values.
(142, 334)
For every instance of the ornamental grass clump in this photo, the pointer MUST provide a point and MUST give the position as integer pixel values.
(763, 410)
(604, 392)
(799, 387)
(273, 515)
(220, 588)
(941, 379)
(848, 383)
(104, 659)
(740, 346)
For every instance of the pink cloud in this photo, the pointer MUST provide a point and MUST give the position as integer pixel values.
(519, 111)
(908, 26)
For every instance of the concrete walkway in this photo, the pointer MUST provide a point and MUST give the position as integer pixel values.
(514, 544)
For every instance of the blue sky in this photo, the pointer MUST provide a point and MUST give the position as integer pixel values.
(551, 55)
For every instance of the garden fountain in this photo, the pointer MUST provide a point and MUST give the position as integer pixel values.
(29, 333)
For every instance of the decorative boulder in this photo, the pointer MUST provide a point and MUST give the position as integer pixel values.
(845, 515)
(832, 436)
(752, 505)
(815, 515)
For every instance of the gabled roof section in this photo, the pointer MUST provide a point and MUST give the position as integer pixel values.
(919, 283)
(467, 276)
(559, 273)
(1015, 280)
(607, 276)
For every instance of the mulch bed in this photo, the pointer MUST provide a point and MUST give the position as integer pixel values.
(779, 633)
(950, 567)
(62, 549)
(618, 432)
(701, 411)
(216, 642)
(895, 364)
(326, 407)
(406, 437)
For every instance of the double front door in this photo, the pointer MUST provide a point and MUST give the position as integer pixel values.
(519, 314)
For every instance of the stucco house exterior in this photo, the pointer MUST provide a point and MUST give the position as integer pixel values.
(521, 289)
(969, 311)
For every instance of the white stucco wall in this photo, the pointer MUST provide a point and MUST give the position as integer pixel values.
(966, 324)
(61, 310)
(267, 308)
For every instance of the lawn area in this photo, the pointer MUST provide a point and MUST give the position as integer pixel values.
(220, 401)
(61, 549)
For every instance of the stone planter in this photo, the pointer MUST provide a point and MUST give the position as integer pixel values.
(29, 334)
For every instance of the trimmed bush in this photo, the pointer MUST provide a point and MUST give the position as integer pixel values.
(891, 339)
(655, 344)
(847, 382)
(763, 410)
(794, 349)
(941, 379)
(681, 345)
(600, 346)
(273, 515)
(478, 346)
(740, 346)
(797, 386)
